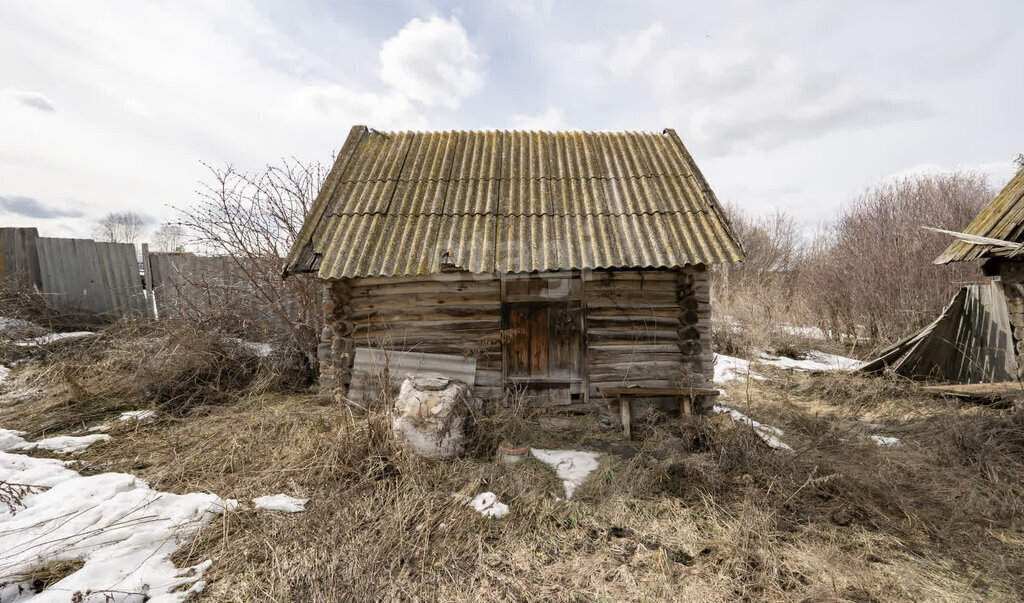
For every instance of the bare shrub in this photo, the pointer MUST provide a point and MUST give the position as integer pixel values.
(871, 271)
(25, 313)
(251, 220)
(176, 367)
(755, 301)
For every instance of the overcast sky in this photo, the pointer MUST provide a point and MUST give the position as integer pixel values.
(112, 106)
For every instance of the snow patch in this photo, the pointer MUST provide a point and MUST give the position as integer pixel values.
(52, 337)
(887, 441)
(67, 444)
(571, 466)
(12, 440)
(485, 503)
(281, 502)
(729, 368)
(262, 350)
(138, 415)
(813, 361)
(123, 531)
(11, 327)
(4, 371)
(99, 428)
(769, 434)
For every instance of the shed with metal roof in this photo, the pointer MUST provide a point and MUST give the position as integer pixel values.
(562, 262)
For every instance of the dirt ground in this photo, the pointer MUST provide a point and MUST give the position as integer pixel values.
(691, 510)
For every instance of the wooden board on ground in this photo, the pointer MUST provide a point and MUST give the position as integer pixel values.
(369, 364)
(983, 392)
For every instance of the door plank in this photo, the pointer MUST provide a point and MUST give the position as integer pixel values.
(538, 319)
(518, 346)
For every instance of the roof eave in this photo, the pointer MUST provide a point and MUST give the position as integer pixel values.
(301, 258)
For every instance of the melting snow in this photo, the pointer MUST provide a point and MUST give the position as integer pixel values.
(67, 444)
(814, 361)
(729, 368)
(255, 348)
(766, 432)
(12, 440)
(889, 441)
(281, 502)
(50, 338)
(138, 415)
(123, 531)
(10, 326)
(571, 466)
(4, 371)
(485, 503)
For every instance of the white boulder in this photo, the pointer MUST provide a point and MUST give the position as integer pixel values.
(430, 413)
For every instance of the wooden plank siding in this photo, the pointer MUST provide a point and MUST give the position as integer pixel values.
(632, 336)
(581, 331)
(452, 314)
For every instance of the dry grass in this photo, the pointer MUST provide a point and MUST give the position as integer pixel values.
(179, 369)
(692, 511)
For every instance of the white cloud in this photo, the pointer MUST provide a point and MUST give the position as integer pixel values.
(633, 51)
(998, 172)
(343, 105)
(152, 90)
(739, 125)
(33, 100)
(432, 62)
(735, 98)
(529, 9)
(550, 118)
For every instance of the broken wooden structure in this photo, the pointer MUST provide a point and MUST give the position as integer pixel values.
(969, 342)
(979, 337)
(563, 263)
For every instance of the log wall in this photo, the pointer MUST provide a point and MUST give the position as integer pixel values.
(651, 328)
(1011, 273)
(444, 314)
(648, 328)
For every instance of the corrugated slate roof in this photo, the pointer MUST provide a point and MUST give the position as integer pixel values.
(1002, 218)
(395, 204)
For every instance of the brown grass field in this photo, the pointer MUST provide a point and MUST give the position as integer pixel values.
(691, 510)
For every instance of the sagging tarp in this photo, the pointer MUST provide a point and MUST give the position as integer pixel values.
(970, 342)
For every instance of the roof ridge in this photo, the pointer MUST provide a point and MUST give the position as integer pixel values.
(389, 133)
(549, 178)
(519, 215)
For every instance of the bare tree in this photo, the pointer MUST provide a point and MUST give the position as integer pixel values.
(871, 271)
(252, 219)
(755, 300)
(169, 238)
(120, 227)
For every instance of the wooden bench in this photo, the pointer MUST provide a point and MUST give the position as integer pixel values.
(686, 396)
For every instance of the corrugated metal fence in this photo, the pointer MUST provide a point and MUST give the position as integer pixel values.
(113, 279)
(96, 277)
(189, 284)
(18, 253)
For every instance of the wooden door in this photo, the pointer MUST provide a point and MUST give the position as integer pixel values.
(543, 349)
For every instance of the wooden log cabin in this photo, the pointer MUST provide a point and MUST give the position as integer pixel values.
(564, 263)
